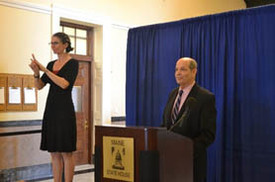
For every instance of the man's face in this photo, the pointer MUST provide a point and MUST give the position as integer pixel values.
(183, 74)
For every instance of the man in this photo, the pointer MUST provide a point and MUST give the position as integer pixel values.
(190, 111)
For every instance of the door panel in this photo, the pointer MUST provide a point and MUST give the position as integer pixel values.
(82, 101)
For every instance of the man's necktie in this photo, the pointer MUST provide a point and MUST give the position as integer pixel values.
(176, 108)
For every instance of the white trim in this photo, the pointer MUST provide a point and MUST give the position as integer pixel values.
(86, 16)
(78, 15)
(60, 11)
(26, 6)
(124, 27)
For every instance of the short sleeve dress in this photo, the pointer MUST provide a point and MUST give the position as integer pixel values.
(59, 120)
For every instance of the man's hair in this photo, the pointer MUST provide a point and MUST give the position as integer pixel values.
(193, 64)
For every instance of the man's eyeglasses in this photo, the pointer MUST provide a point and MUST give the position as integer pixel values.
(53, 43)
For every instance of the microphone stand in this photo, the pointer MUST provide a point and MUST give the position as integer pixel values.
(182, 118)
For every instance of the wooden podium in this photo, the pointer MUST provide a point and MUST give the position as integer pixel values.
(158, 155)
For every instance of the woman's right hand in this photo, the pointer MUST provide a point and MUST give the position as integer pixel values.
(34, 68)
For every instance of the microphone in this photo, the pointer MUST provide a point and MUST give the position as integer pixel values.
(190, 103)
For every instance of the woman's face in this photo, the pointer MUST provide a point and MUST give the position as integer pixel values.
(57, 46)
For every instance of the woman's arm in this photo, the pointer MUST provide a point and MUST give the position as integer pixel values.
(39, 84)
(61, 82)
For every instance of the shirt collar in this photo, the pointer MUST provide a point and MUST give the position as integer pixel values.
(188, 88)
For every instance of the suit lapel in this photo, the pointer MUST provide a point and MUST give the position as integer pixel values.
(192, 93)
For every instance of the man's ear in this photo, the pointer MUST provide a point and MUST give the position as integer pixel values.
(194, 71)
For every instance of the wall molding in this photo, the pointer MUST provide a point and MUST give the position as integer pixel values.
(26, 6)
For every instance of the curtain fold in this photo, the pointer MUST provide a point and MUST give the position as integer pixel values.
(235, 52)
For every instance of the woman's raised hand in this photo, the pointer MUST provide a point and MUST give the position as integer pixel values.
(34, 67)
(38, 64)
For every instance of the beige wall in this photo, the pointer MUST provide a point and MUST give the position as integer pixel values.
(24, 32)
(191, 8)
(143, 12)
(21, 150)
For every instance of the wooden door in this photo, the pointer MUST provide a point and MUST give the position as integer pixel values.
(81, 95)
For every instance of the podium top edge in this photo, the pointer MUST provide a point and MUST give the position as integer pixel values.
(131, 127)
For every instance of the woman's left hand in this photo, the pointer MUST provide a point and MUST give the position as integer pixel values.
(41, 67)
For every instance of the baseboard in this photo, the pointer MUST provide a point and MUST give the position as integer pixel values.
(118, 118)
(32, 173)
(51, 177)
(20, 123)
(26, 173)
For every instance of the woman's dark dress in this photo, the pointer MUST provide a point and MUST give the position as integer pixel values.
(59, 121)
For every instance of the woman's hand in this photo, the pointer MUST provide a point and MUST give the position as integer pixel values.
(34, 68)
(38, 64)
(39, 84)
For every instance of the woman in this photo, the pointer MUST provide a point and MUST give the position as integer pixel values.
(59, 121)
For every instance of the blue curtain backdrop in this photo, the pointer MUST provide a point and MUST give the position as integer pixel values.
(235, 52)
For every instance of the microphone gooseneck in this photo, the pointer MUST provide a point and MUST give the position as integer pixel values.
(190, 102)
